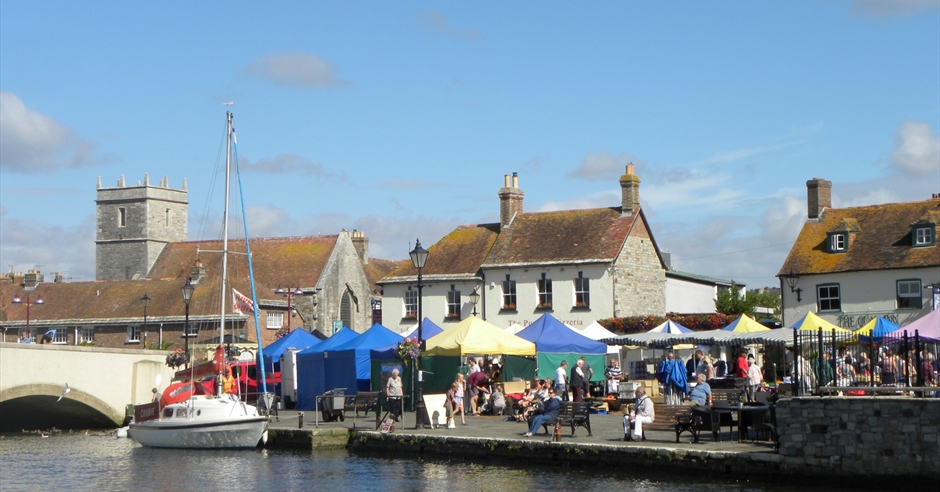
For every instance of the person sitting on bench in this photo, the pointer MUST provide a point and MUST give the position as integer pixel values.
(701, 394)
(643, 414)
(548, 413)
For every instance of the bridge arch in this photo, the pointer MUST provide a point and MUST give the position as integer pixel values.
(37, 406)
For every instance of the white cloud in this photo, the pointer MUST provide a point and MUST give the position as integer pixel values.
(290, 164)
(918, 149)
(32, 142)
(603, 166)
(885, 8)
(299, 70)
(27, 244)
(438, 22)
(411, 184)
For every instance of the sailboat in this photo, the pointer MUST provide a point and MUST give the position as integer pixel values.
(206, 421)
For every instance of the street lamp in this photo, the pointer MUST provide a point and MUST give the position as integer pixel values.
(144, 301)
(289, 292)
(475, 298)
(38, 301)
(187, 290)
(419, 256)
(791, 279)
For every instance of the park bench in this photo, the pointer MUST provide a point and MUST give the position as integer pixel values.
(363, 401)
(701, 418)
(574, 414)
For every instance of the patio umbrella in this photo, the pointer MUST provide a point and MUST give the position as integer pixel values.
(745, 324)
(927, 327)
(811, 322)
(876, 329)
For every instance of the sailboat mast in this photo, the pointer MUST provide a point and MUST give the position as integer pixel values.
(228, 170)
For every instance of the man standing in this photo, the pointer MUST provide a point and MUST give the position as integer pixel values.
(644, 414)
(588, 375)
(754, 379)
(614, 376)
(577, 382)
(561, 380)
(740, 365)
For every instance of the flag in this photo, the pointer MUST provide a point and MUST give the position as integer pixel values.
(243, 303)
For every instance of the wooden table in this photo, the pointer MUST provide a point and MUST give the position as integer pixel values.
(739, 411)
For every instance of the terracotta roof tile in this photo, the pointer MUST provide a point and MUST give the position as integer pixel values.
(884, 240)
(459, 253)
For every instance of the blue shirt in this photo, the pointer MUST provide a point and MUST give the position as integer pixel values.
(700, 393)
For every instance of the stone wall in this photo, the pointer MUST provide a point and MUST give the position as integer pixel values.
(639, 278)
(865, 435)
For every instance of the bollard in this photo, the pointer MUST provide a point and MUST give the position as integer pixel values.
(557, 434)
(300, 420)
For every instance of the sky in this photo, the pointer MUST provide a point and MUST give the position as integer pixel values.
(399, 119)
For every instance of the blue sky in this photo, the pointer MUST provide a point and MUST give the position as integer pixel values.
(400, 119)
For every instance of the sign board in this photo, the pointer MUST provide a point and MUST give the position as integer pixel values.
(149, 411)
(388, 425)
(435, 407)
(337, 325)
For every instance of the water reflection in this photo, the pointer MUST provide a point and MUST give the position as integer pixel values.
(102, 462)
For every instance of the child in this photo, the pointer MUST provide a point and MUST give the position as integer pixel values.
(449, 405)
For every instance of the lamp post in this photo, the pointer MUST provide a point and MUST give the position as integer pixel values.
(475, 298)
(289, 292)
(187, 290)
(791, 279)
(144, 301)
(38, 301)
(419, 256)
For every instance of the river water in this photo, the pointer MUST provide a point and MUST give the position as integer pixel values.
(101, 462)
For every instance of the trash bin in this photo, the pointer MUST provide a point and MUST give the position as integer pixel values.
(334, 403)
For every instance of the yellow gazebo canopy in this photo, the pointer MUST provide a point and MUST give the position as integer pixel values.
(811, 322)
(475, 336)
(745, 324)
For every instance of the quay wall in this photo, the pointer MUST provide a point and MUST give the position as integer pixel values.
(868, 436)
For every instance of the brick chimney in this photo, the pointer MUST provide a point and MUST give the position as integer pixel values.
(818, 197)
(361, 243)
(32, 279)
(197, 272)
(510, 200)
(629, 192)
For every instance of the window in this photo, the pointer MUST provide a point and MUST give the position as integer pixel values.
(582, 291)
(509, 293)
(86, 334)
(923, 236)
(545, 293)
(275, 320)
(836, 242)
(168, 217)
(122, 217)
(453, 303)
(411, 304)
(190, 331)
(60, 336)
(829, 299)
(909, 294)
(133, 334)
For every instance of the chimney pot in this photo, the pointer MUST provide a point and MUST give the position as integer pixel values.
(510, 200)
(818, 197)
(629, 192)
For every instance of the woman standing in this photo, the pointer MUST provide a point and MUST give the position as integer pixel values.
(394, 394)
(458, 398)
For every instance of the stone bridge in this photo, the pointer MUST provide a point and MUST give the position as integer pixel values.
(102, 382)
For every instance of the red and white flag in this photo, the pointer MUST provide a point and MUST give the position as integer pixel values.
(243, 303)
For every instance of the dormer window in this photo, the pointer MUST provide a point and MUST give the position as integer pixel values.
(837, 242)
(924, 236)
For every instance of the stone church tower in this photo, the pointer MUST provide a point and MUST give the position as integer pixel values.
(134, 223)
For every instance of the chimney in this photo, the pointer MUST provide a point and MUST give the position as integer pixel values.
(510, 200)
(32, 279)
(818, 197)
(197, 272)
(629, 192)
(361, 243)
(58, 278)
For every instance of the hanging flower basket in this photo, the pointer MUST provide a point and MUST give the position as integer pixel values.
(281, 333)
(408, 349)
(176, 358)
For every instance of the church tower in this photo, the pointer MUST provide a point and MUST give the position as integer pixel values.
(134, 223)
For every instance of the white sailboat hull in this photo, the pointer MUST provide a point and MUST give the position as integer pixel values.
(203, 423)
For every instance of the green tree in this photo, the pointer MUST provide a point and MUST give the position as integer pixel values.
(730, 301)
(757, 298)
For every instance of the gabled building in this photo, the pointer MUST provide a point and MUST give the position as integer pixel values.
(315, 282)
(849, 265)
(689, 293)
(579, 265)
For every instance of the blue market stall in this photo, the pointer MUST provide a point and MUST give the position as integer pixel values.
(310, 382)
(555, 341)
(347, 365)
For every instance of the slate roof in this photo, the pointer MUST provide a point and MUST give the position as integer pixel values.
(570, 236)
(883, 241)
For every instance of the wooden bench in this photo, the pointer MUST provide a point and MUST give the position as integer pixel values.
(666, 416)
(574, 414)
(363, 401)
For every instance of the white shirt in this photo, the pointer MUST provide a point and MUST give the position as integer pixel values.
(561, 376)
